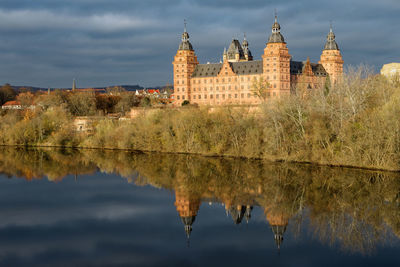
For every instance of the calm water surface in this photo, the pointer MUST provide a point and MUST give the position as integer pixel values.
(91, 208)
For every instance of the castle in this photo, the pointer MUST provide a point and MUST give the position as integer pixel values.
(233, 80)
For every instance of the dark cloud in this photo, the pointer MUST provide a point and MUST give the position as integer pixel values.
(48, 43)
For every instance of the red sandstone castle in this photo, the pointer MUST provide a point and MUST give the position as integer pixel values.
(232, 81)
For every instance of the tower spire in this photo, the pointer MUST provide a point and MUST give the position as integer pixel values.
(276, 36)
(185, 44)
(330, 40)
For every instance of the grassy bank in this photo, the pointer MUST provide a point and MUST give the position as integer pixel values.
(355, 123)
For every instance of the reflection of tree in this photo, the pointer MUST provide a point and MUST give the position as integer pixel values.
(351, 207)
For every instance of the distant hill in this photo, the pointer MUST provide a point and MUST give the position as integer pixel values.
(35, 89)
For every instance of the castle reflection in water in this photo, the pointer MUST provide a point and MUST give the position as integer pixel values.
(354, 208)
(188, 206)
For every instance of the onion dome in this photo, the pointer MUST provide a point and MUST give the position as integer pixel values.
(330, 41)
(185, 44)
(276, 36)
(245, 43)
(235, 49)
(245, 46)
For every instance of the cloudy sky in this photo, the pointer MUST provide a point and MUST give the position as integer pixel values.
(47, 43)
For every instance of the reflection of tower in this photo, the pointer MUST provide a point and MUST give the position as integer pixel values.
(187, 208)
(278, 220)
(247, 214)
(239, 212)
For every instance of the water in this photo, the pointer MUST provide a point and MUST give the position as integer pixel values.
(92, 208)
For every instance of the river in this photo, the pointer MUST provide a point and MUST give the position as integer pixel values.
(117, 208)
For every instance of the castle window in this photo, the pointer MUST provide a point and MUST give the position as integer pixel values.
(274, 85)
(183, 97)
(235, 95)
(229, 96)
(178, 97)
(178, 89)
(223, 80)
(274, 94)
(217, 96)
(223, 96)
(199, 96)
(248, 95)
(229, 87)
(211, 96)
(194, 97)
(217, 88)
(229, 79)
(235, 87)
(242, 95)
(205, 96)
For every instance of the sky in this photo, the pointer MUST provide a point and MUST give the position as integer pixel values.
(48, 43)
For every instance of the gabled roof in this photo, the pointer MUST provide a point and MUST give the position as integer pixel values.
(297, 67)
(247, 67)
(240, 68)
(12, 103)
(253, 67)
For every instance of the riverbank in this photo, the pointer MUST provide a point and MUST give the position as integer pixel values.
(354, 124)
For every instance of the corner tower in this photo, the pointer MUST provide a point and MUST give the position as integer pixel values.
(187, 207)
(331, 58)
(276, 62)
(184, 64)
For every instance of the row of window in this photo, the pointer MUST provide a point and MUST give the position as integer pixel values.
(216, 88)
(284, 85)
(223, 96)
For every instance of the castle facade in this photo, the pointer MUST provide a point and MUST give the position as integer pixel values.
(234, 80)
